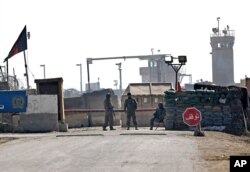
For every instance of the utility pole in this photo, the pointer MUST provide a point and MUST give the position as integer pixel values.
(43, 65)
(120, 74)
(80, 75)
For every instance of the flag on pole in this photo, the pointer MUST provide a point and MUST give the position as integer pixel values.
(19, 46)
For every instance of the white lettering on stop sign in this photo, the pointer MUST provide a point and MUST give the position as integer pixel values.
(192, 116)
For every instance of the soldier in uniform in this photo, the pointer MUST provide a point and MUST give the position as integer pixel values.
(159, 115)
(130, 106)
(108, 113)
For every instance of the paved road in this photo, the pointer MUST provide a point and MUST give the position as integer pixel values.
(100, 151)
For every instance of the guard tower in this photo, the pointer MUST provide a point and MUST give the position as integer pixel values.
(222, 55)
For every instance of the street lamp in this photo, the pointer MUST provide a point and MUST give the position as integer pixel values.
(176, 66)
(80, 75)
(43, 65)
(120, 75)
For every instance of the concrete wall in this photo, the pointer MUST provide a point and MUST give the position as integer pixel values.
(74, 103)
(98, 118)
(76, 119)
(41, 115)
(142, 118)
(42, 104)
(90, 101)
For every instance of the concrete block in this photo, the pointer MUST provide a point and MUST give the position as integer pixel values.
(39, 122)
(76, 119)
(142, 118)
(5, 128)
(98, 118)
(16, 124)
(42, 104)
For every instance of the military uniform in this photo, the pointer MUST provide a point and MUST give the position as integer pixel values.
(130, 106)
(108, 113)
(159, 115)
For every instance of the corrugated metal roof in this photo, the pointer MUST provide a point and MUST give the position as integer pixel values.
(147, 88)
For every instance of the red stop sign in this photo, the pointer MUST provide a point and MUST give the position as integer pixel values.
(192, 116)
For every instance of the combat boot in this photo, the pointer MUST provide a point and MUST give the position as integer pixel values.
(127, 128)
(151, 128)
(111, 128)
(136, 128)
(104, 129)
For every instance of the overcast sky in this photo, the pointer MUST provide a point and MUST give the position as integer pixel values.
(66, 32)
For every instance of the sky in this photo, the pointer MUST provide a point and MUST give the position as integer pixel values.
(66, 32)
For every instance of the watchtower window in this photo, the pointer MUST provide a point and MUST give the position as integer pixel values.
(219, 45)
(151, 63)
(155, 63)
(223, 45)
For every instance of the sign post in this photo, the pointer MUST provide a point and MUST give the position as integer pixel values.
(192, 117)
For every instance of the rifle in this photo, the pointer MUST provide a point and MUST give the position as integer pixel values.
(113, 114)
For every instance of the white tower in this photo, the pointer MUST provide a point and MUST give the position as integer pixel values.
(222, 55)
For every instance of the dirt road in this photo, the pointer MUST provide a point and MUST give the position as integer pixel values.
(94, 150)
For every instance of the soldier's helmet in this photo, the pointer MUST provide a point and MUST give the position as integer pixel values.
(108, 95)
(129, 94)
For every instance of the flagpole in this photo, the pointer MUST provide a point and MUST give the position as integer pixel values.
(7, 66)
(26, 70)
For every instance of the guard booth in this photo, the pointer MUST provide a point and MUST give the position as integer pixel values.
(54, 86)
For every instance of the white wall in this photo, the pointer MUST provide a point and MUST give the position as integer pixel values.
(41, 115)
(42, 104)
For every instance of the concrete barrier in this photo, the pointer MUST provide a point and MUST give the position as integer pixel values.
(79, 117)
(76, 119)
(41, 115)
(142, 118)
(39, 122)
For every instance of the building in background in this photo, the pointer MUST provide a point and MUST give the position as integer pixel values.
(157, 71)
(94, 86)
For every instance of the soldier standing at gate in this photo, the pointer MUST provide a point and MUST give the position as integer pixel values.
(130, 106)
(108, 113)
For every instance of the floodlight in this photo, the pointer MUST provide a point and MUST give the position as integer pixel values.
(182, 59)
(168, 59)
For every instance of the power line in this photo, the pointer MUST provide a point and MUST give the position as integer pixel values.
(31, 72)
